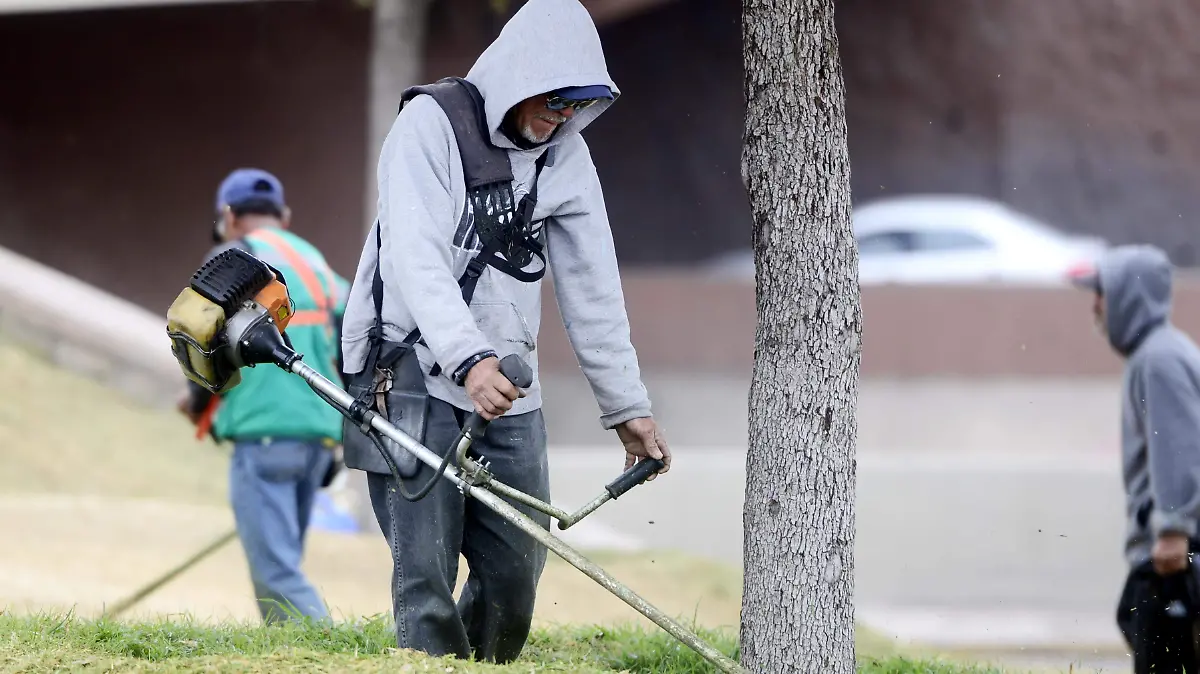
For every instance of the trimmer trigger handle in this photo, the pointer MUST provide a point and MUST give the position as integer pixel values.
(637, 474)
(516, 371)
(474, 426)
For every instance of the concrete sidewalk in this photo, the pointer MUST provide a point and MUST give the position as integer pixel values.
(975, 550)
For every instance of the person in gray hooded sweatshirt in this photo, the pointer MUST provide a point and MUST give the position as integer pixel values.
(1160, 435)
(543, 81)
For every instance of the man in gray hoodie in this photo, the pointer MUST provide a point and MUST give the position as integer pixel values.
(543, 81)
(1160, 436)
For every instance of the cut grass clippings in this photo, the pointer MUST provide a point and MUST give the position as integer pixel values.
(57, 643)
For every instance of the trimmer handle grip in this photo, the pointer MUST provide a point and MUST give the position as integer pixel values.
(516, 371)
(636, 475)
(474, 426)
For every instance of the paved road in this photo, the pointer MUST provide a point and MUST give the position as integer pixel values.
(997, 550)
(973, 549)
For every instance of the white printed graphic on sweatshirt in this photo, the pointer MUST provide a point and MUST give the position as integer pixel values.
(466, 237)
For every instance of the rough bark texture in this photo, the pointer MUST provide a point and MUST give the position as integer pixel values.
(798, 611)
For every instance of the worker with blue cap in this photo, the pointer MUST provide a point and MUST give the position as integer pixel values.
(285, 440)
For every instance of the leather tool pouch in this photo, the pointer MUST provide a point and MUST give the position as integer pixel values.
(394, 387)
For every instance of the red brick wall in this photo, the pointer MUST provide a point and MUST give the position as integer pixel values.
(679, 323)
(1102, 131)
(117, 126)
(1082, 112)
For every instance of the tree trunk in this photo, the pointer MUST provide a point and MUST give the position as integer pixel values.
(797, 607)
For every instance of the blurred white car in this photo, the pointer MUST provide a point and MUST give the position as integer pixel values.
(951, 239)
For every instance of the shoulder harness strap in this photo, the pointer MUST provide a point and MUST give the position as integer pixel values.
(488, 177)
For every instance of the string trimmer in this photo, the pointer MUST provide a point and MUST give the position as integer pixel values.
(234, 314)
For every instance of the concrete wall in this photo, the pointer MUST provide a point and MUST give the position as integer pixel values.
(86, 330)
(1103, 131)
(923, 105)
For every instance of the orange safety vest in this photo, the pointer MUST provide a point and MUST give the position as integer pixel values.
(319, 316)
(325, 305)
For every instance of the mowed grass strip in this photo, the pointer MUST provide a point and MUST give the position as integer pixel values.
(50, 642)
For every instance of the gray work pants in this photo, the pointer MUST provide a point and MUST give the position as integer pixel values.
(492, 617)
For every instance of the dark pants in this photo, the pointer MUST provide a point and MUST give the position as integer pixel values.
(492, 617)
(1157, 615)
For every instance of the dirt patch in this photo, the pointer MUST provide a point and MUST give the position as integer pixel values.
(81, 553)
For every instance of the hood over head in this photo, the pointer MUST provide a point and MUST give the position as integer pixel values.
(547, 45)
(1136, 284)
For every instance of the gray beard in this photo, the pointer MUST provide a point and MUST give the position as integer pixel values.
(528, 134)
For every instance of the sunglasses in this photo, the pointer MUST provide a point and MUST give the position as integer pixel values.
(556, 102)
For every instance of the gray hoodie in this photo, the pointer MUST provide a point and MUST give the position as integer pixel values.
(428, 236)
(1160, 401)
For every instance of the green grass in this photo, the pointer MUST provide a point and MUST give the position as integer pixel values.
(128, 450)
(58, 643)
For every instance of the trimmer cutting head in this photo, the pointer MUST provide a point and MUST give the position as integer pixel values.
(232, 315)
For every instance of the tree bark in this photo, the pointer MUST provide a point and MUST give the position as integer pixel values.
(797, 607)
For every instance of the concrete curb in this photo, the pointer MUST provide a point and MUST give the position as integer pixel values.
(87, 330)
(983, 651)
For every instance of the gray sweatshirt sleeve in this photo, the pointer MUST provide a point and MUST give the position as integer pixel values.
(418, 221)
(587, 286)
(1172, 426)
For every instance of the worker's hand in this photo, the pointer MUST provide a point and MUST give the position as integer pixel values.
(643, 438)
(1170, 554)
(336, 465)
(490, 391)
(184, 405)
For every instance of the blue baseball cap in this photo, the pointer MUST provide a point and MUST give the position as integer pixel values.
(248, 185)
(585, 93)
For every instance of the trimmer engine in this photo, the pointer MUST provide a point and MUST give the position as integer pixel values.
(232, 315)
